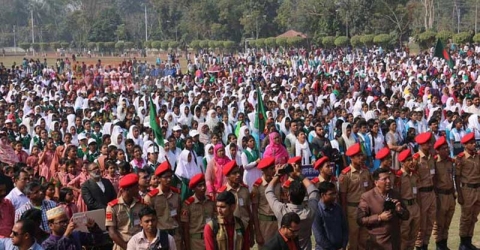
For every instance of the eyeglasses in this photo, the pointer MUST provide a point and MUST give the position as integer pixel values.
(16, 234)
(63, 222)
(293, 231)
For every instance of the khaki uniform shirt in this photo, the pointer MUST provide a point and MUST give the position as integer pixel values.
(197, 213)
(167, 207)
(354, 183)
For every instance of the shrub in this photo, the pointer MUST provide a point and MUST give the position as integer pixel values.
(462, 38)
(341, 41)
(444, 36)
(382, 39)
(328, 41)
(367, 40)
(355, 41)
(271, 42)
(281, 41)
(157, 45)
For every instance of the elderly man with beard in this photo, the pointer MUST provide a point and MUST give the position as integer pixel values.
(380, 211)
(97, 191)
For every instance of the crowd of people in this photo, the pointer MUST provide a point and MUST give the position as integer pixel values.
(175, 157)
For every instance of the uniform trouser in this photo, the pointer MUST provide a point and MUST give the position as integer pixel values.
(470, 211)
(445, 211)
(427, 217)
(357, 236)
(197, 244)
(178, 239)
(409, 228)
(268, 229)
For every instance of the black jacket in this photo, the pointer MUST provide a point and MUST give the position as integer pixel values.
(277, 243)
(93, 196)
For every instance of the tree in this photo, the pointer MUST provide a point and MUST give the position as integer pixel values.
(105, 27)
(157, 45)
(129, 45)
(165, 45)
(426, 39)
(195, 44)
(203, 44)
(444, 36)
(212, 44)
(271, 42)
(229, 45)
(382, 40)
(462, 38)
(120, 46)
(281, 41)
(341, 41)
(328, 41)
(24, 46)
(367, 40)
(355, 41)
(173, 44)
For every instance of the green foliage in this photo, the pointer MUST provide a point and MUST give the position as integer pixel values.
(462, 38)
(110, 46)
(444, 36)
(64, 45)
(195, 44)
(24, 46)
(341, 41)
(164, 45)
(476, 38)
(91, 45)
(367, 40)
(271, 42)
(426, 39)
(129, 45)
(173, 44)
(203, 44)
(219, 44)
(382, 40)
(119, 46)
(100, 46)
(147, 44)
(157, 45)
(212, 44)
(260, 42)
(55, 45)
(328, 41)
(355, 41)
(294, 41)
(104, 28)
(229, 45)
(281, 41)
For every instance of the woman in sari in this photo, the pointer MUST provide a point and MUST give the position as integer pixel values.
(214, 177)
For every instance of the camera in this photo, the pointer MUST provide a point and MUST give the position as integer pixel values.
(389, 205)
(287, 170)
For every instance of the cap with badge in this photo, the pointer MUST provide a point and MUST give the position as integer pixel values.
(196, 179)
(423, 138)
(295, 160)
(229, 167)
(440, 142)
(468, 137)
(353, 150)
(266, 162)
(405, 154)
(162, 168)
(319, 163)
(128, 180)
(383, 153)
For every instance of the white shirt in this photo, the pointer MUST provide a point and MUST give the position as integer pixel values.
(101, 186)
(140, 242)
(17, 198)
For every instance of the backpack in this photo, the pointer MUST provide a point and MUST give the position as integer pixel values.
(215, 228)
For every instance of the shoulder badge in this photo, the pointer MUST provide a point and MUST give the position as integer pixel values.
(315, 180)
(346, 170)
(286, 184)
(333, 179)
(223, 188)
(210, 197)
(190, 200)
(243, 185)
(258, 182)
(175, 190)
(153, 192)
(462, 154)
(435, 157)
(113, 203)
(399, 173)
(416, 156)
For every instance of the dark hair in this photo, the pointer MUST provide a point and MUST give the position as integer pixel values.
(290, 217)
(325, 186)
(33, 214)
(125, 166)
(63, 193)
(28, 226)
(129, 141)
(30, 186)
(376, 173)
(227, 197)
(296, 192)
(147, 211)
(432, 121)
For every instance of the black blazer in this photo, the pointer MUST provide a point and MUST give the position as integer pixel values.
(93, 196)
(277, 243)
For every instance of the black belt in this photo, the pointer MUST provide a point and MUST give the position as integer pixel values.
(353, 204)
(476, 185)
(267, 217)
(425, 189)
(444, 191)
(409, 202)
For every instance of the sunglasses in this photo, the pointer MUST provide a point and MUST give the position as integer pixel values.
(16, 234)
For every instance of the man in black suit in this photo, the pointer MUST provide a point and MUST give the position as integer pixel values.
(97, 191)
(287, 236)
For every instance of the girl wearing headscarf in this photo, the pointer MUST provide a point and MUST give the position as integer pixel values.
(204, 137)
(185, 170)
(250, 158)
(186, 117)
(134, 134)
(244, 132)
(276, 149)
(474, 125)
(302, 148)
(117, 138)
(214, 177)
(208, 154)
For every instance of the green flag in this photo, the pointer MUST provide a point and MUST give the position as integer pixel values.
(441, 52)
(155, 124)
(260, 114)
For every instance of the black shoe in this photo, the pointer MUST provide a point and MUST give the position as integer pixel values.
(441, 245)
(469, 242)
(466, 244)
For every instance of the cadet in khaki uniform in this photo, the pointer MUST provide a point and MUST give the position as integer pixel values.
(406, 184)
(426, 196)
(121, 216)
(354, 181)
(242, 196)
(166, 201)
(325, 172)
(467, 182)
(264, 219)
(443, 183)
(386, 162)
(197, 210)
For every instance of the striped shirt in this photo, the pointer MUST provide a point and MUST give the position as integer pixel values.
(46, 205)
